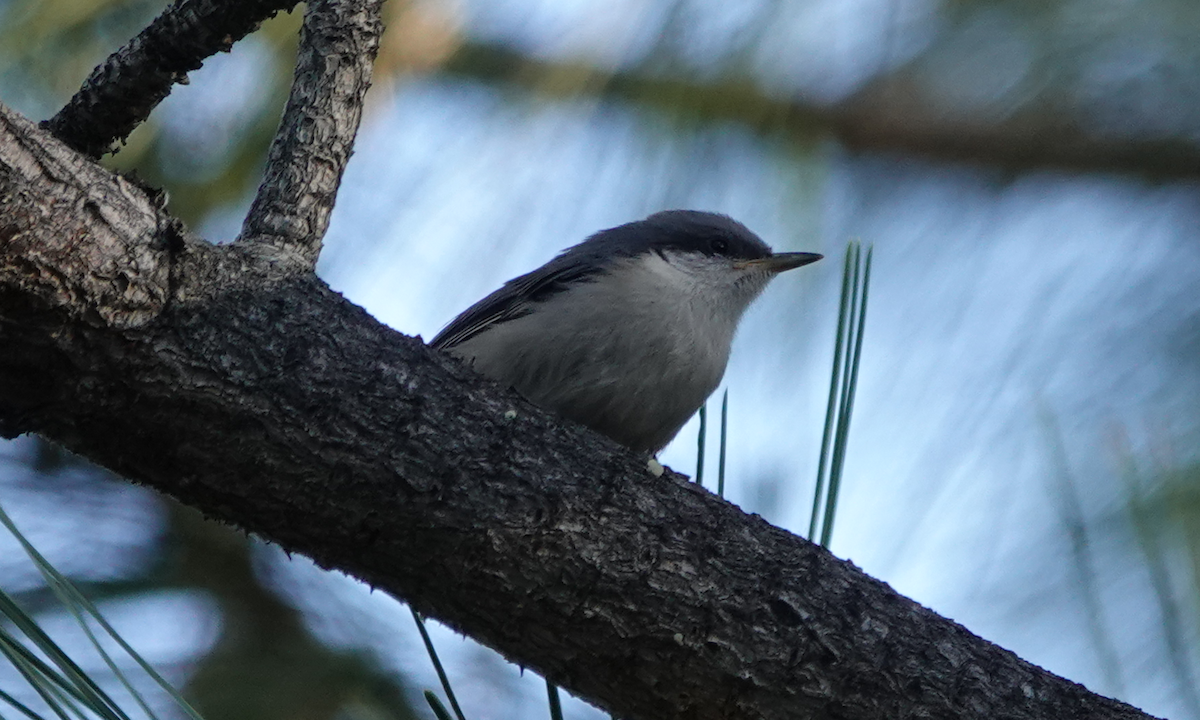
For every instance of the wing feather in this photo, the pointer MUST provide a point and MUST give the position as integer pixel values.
(671, 230)
(515, 299)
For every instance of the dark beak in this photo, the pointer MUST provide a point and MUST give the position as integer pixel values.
(780, 262)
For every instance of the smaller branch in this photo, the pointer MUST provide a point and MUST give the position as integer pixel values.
(304, 166)
(120, 93)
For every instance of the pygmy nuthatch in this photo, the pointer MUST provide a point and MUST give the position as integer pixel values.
(629, 331)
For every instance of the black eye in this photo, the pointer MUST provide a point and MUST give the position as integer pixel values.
(719, 245)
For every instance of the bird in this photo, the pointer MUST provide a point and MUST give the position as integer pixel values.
(629, 331)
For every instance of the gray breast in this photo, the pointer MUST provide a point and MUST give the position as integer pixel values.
(628, 358)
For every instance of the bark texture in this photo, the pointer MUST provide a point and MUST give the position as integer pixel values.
(121, 92)
(251, 391)
(338, 44)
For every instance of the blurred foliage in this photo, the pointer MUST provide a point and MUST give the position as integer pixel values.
(48, 48)
(1164, 508)
(265, 664)
(208, 161)
(1119, 69)
(201, 176)
(1182, 506)
(1128, 69)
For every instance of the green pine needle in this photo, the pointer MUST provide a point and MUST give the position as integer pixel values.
(20, 706)
(48, 687)
(721, 454)
(68, 688)
(834, 383)
(437, 666)
(69, 676)
(555, 704)
(843, 383)
(436, 705)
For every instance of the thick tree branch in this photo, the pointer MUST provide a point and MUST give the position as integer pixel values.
(261, 397)
(121, 92)
(304, 166)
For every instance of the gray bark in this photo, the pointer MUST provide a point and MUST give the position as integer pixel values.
(246, 388)
(338, 44)
(120, 93)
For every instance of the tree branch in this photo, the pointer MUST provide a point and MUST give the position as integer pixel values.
(309, 153)
(120, 93)
(261, 397)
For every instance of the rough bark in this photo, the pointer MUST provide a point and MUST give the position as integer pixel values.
(338, 44)
(251, 391)
(121, 91)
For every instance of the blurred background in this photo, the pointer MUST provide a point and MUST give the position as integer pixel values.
(1023, 457)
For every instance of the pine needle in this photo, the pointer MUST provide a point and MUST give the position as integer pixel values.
(437, 666)
(843, 383)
